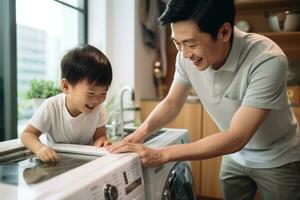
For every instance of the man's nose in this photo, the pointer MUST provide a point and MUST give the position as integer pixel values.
(186, 53)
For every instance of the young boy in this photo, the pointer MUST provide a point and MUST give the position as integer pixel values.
(77, 115)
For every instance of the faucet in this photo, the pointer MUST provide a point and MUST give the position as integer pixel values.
(123, 90)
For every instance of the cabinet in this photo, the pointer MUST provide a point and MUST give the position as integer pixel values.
(210, 184)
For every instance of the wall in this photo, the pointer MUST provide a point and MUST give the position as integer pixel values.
(114, 27)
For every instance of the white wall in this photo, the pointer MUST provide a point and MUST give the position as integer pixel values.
(114, 27)
(144, 59)
(97, 31)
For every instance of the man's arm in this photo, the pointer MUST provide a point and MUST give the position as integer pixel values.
(163, 113)
(243, 126)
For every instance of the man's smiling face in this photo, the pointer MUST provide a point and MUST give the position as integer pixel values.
(197, 46)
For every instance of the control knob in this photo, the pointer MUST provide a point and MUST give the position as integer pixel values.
(110, 192)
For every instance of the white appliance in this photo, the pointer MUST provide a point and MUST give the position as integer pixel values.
(84, 172)
(172, 181)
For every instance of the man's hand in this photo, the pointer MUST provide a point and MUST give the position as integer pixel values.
(149, 157)
(136, 137)
(102, 142)
(47, 154)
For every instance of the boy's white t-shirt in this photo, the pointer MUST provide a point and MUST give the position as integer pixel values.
(53, 118)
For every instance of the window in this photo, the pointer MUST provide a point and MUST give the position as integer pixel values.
(45, 30)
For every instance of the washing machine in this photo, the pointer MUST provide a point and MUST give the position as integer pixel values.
(173, 180)
(84, 172)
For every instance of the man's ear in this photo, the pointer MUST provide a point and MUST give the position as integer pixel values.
(225, 32)
(64, 85)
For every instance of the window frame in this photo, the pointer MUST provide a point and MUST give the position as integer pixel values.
(8, 63)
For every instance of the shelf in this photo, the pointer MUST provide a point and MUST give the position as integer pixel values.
(271, 5)
(254, 4)
(283, 35)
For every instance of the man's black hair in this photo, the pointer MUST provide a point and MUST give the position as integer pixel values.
(209, 15)
(86, 63)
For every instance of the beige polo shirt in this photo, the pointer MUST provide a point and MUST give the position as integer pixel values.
(255, 75)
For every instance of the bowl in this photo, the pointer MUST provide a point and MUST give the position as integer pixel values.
(284, 21)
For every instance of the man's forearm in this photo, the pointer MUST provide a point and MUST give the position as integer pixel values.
(212, 146)
(163, 114)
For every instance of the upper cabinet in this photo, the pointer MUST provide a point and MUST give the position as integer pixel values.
(257, 14)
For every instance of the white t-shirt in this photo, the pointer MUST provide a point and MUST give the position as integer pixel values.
(53, 118)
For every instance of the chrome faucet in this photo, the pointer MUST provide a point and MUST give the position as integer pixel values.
(123, 90)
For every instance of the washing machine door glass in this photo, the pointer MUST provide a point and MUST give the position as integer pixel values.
(30, 170)
(179, 185)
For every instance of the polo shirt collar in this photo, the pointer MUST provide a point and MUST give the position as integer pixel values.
(232, 60)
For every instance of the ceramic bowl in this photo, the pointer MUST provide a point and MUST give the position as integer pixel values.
(284, 21)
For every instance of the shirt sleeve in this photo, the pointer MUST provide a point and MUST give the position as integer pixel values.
(103, 116)
(41, 119)
(267, 84)
(181, 75)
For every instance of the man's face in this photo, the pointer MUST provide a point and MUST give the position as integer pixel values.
(198, 46)
(84, 97)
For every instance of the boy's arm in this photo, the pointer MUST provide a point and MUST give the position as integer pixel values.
(100, 138)
(30, 138)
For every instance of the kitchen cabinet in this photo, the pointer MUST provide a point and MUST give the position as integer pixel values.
(210, 184)
(190, 117)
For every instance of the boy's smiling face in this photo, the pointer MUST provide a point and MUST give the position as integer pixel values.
(83, 97)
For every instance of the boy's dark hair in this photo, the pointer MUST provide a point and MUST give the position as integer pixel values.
(86, 63)
(209, 15)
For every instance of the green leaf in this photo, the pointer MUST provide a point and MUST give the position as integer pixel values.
(40, 88)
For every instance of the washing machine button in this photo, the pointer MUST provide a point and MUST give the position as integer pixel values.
(110, 192)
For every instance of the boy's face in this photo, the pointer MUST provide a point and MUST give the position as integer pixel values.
(83, 97)
(199, 47)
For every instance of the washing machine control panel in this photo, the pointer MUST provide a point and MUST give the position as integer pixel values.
(111, 192)
(120, 180)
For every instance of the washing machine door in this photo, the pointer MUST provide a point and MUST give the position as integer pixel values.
(179, 185)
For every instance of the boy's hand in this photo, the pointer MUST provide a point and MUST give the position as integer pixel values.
(47, 154)
(102, 142)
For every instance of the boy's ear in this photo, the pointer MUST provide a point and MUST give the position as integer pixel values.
(64, 85)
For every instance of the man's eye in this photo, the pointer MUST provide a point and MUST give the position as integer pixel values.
(192, 46)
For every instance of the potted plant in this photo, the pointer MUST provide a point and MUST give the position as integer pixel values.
(41, 89)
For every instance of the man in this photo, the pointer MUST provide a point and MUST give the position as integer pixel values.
(240, 79)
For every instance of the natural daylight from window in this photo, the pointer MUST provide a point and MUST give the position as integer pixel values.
(45, 30)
